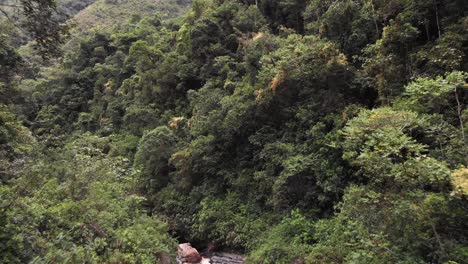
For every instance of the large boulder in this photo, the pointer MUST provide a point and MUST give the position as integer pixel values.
(188, 254)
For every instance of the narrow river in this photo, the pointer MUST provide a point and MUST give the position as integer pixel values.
(186, 254)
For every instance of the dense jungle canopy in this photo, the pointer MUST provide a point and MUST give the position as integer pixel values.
(290, 131)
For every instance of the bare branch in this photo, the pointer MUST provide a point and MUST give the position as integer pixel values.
(14, 23)
(9, 5)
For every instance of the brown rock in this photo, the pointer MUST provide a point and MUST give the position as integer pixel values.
(188, 253)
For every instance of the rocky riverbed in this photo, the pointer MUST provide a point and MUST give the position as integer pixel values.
(186, 254)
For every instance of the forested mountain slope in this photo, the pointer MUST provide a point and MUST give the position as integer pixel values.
(72, 7)
(17, 13)
(315, 131)
(107, 14)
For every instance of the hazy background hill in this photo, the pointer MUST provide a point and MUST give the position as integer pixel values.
(71, 7)
(103, 15)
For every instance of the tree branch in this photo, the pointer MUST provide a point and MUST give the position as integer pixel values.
(6, 15)
(9, 5)
(14, 23)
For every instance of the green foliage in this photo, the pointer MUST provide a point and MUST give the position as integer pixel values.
(9, 60)
(380, 143)
(433, 95)
(152, 158)
(447, 55)
(16, 142)
(78, 205)
(228, 222)
(359, 233)
(351, 24)
(444, 97)
(286, 242)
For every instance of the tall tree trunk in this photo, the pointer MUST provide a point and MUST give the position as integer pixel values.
(426, 25)
(462, 126)
(437, 16)
(375, 19)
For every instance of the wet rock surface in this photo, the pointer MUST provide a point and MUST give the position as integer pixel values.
(226, 258)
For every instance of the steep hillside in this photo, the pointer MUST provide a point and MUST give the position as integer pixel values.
(72, 7)
(104, 15)
(11, 12)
